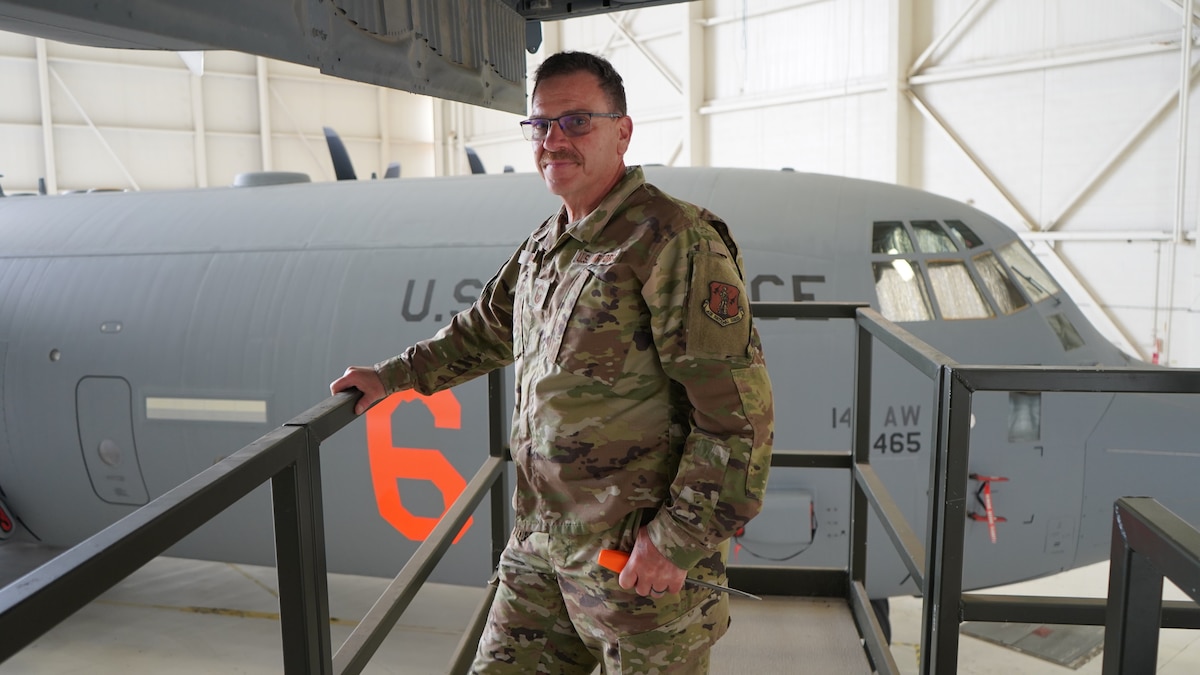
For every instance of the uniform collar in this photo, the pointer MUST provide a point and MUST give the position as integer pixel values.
(585, 229)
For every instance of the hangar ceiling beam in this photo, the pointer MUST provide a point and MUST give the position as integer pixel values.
(1114, 160)
(734, 104)
(930, 114)
(1050, 254)
(654, 60)
(318, 157)
(922, 73)
(758, 12)
(960, 24)
(1121, 49)
(1178, 5)
(91, 125)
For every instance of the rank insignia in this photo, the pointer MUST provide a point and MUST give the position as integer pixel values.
(722, 304)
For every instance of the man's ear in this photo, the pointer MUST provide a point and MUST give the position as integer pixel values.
(624, 134)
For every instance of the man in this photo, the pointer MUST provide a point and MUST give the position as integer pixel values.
(643, 413)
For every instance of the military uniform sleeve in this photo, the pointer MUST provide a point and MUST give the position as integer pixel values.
(476, 341)
(700, 317)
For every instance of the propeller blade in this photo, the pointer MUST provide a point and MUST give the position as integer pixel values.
(474, 161)
(342, 168)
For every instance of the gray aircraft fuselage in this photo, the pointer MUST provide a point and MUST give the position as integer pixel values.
(145, 336)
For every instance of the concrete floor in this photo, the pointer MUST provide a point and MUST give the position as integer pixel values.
(185, 616)
(1178, 651)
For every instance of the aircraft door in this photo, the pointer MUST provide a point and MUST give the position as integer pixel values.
(104, 410)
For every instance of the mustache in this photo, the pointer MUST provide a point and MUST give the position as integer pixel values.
(560, 155)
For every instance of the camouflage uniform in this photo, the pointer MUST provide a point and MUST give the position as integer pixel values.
(641, 398)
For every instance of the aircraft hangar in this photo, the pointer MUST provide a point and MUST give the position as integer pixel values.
(1062, 119)
(1070, 121)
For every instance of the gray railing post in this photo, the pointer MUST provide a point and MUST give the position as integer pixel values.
(947, 525)
(1134, 611)
(300, 563)
(861, 448)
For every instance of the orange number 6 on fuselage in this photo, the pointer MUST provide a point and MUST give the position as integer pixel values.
(390, 463)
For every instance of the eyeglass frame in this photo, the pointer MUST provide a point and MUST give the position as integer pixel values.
(529, 132)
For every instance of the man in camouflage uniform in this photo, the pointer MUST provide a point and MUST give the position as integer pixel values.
(643, 413)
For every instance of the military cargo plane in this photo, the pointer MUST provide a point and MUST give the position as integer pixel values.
(145, 336)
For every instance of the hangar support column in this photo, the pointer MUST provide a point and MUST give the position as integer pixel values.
(900, 60)
(695, 135)
(43, 67)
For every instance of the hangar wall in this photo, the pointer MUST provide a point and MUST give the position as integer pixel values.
(88, 118)
(1062, 119)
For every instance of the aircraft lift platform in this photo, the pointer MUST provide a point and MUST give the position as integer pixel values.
(1149, 542)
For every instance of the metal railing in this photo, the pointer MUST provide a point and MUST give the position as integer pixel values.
(1148, 543)
(289, 459)
(939, 576)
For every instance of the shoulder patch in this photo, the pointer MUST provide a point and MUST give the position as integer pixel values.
(722, 304)
(718, 318)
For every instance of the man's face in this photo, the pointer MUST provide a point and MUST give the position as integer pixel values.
(581, 170)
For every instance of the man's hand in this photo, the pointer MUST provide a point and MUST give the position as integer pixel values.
(363, 379)
(648, 571)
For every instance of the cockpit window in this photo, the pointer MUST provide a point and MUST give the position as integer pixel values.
(931, 269)
(999, 284)
(1065, 330)
(890, 238)
(957, 295)
(964, 235)
(931, 238)
(1032, 277)
(901, 290)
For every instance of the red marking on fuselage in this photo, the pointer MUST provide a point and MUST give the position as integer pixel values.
(390, 463)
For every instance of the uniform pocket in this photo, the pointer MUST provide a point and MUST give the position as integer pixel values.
(680, 645)
(602, 322)
(754, 389)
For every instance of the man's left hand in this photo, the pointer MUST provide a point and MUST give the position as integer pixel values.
(648, 571)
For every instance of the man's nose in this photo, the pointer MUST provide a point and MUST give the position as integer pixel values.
(555, 137)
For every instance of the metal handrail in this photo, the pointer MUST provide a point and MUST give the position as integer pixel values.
(289, 458)
(1148, 543)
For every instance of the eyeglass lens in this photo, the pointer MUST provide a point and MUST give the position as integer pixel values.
(538, 128)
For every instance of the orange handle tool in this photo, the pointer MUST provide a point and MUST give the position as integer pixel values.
(615, 560)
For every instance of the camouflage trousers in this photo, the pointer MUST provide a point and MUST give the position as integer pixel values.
(557, 612)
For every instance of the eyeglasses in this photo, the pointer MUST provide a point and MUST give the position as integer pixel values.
(575, 124)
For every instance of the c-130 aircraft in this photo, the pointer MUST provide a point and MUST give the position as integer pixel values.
(145, 336)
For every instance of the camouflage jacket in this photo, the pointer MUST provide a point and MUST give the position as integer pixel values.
(640, 376)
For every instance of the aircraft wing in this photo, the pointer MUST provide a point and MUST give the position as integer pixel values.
(470, 51)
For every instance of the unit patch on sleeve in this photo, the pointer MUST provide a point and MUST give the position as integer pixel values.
(718, 318)
(722, 304)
